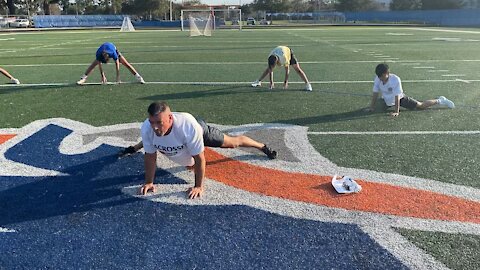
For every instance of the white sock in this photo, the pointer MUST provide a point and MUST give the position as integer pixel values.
(84, 76)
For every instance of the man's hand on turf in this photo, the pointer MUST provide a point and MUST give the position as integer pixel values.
(148, 187)
(127, 151)
(369, 109)
(104, 79)
(195, 192)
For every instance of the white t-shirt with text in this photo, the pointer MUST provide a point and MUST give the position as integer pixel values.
(184, 141)
(389, 90)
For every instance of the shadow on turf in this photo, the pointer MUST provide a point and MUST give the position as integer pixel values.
(89, 181)
(204, 93)
(337, 117)
(17, 88)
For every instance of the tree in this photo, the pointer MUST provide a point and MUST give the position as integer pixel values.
(406, 5)
(442, 4)
(356, 5)
(11, 7)
(271, 5)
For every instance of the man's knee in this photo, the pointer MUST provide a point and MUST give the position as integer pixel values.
(231, 142)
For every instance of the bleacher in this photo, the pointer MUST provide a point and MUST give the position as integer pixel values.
(50, 21)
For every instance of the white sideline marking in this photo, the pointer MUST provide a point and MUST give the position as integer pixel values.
(227, 83)
(464, 81)
(451, 132)
(445, 30)
(439, 70)
(424, 67)
(453, 75)
(398, 34)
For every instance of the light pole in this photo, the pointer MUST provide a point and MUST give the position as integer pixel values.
(171, 5)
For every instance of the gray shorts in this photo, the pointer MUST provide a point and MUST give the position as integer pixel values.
(212, 136)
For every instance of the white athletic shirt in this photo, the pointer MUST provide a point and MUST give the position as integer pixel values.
(283, 53)
(184, 141)
(392, 88)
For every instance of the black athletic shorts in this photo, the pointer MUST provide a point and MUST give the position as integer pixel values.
(408, 102)
(212, 136)
(405, 102)
(293, 60)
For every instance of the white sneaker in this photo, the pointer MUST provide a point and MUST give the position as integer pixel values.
(14, 81)
(140, 79)
(308, 87)
(256, 83)
(447, 102)
(82, 81)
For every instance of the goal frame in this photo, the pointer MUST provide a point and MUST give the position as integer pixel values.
(211, 10)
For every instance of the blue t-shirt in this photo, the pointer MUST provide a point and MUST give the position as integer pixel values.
(110, 49)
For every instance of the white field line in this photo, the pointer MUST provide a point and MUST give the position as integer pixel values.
(226, 83)
(445, 30)
(424, 67)
(453, 75)
(464, 81)
(450, 132)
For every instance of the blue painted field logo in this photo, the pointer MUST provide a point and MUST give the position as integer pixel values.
(61, 180)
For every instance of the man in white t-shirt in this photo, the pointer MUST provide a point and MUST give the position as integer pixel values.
(282, 56)
(182, 139)
(390, 87)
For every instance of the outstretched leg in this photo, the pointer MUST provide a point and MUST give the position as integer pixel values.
(441, 100)
(89, 70)
(302, 75)
(8, 75)
(124, 62)
(300, 72)
(91, 67)
(259, 81)
(4, 72)
(244, 141)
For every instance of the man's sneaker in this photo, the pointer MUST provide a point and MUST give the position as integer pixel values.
(256, 83)
(140, 79)
(269, 152)
(14, 81)
(447, 102)
(308, 87)
(82, 81)
(127, 151)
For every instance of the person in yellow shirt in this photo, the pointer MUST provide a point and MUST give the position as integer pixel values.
(282, 56)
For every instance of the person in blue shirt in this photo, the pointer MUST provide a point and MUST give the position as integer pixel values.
(104, 53)
(8, 75)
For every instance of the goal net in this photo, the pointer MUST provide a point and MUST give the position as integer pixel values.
(127, 25)
(204, 22)
(200, 25)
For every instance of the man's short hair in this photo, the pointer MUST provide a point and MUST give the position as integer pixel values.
(272, 61)
(381, 69)
(157, 107)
